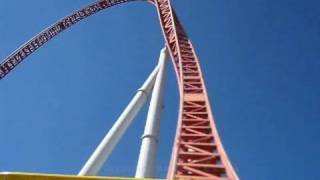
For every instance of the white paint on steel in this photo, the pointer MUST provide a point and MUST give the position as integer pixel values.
(149, 144)
(104, 149)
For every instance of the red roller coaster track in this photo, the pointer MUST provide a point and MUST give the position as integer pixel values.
(198, 152)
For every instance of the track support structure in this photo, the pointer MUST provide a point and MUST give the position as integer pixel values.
(149, 146)
(104, 149)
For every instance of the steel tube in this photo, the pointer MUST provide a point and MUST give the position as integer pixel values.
(104, 149)
(149, 145)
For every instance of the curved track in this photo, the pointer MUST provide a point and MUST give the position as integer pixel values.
(43, 37)
(198, 152)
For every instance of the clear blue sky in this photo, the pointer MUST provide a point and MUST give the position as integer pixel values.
(261, 61)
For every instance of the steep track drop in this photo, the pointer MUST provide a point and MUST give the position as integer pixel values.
(198, 152)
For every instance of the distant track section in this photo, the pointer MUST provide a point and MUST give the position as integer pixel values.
(15, 58)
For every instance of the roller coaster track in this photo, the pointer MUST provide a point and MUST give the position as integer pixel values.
(198, 152)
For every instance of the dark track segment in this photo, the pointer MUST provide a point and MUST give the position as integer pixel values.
(10, 62)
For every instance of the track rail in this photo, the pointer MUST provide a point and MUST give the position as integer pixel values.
(198, 152)
(15, 58)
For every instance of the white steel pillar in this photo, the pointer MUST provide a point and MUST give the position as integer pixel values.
(100, 155)
(149, 144)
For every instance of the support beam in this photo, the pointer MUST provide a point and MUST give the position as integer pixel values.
(100, 155)
(149, 144)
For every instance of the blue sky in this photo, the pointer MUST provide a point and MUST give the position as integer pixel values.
(261, 65)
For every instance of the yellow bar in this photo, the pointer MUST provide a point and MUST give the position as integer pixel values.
(31, 176)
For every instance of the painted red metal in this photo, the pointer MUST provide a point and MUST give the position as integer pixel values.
(198, 152)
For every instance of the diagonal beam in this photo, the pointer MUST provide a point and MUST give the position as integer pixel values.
(104, 149)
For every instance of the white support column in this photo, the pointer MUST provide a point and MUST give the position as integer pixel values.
(100, 155)
(149, 144)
